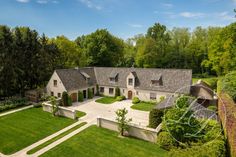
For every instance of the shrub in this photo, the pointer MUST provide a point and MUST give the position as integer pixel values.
(97, 90)
(117, 92)
(212, 82)
(229, 84)
(165, 140)
(155, 118)
(162, 98)
(135, 100)
(65, 98)
(80, 96)
(12, 103)
(37, 105)
(120, 98)
(69, 103)
(182, 102)
(90, 93)
(215, 148)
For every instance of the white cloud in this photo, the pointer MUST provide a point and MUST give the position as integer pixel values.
(225, 16)
(167, 5)
(23, 1)
(135, 25)
(91, 4)
(191, 15)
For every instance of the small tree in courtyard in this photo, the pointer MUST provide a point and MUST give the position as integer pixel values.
(90, 93)
(97, 90)
(80, 96)
(122, 121)
(55, 107)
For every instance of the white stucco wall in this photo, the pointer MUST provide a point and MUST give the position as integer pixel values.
(55, 89)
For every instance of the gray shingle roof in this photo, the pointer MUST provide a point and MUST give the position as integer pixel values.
(173, 79)
(73, 79)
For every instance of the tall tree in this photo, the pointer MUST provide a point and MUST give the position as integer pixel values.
(102, 48)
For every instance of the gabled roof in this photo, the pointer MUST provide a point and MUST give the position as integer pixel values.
(202, 90)
(173, 80)
(73, 79)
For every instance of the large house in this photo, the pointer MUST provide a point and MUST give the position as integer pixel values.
(145, 83)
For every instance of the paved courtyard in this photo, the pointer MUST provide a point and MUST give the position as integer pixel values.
(94, 110)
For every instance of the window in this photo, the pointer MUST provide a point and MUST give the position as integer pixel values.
(101, 89)
(112, 80)
(130, 81)
(55, 83)
(52, 94)
(111, 90)
(136, 92)
(153, 96)
(123, 91)
(58, 95)
(156, 82)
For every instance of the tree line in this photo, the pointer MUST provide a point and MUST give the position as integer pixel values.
(28, 59)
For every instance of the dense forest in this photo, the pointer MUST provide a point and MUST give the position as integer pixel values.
(28, 59)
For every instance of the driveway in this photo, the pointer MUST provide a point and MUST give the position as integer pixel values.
(94, 110)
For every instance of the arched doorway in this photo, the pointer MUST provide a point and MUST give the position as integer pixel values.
(130, 94)
(73, 97)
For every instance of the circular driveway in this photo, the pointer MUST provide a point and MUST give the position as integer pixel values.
(94, 110)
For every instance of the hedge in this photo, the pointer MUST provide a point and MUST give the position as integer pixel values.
(227, 110)
(215, 148)
(12, 103)
(155, 118)
(120, 98)
(229, 84)
(65, 98)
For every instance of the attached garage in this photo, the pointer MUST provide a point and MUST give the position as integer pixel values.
(74, 97)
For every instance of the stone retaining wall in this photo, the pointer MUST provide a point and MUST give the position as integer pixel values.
(144, 133)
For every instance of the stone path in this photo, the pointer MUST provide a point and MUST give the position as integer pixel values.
(16, 110)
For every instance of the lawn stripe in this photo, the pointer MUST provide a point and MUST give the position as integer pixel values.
(32, 151)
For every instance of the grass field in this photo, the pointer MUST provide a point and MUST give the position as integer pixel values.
(106, 100)
(144, 106)
(101, 142)
(21, 129)
(32, 151)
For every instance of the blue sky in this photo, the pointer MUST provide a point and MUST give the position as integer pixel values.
(123, 18)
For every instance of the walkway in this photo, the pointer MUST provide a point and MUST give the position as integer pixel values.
(15, 110)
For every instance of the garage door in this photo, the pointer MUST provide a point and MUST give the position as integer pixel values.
(74, 97)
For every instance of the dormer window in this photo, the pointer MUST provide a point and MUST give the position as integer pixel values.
(86, 76)
(156, 81)
(113, 77)
(130, 82)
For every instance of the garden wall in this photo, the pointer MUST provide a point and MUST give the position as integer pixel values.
(144, 133)
(227, 114)
(65, 112)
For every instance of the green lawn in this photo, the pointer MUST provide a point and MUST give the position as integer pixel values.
(21, 129)
(32, 151)
(80, 114)
(207, 80)
(106, 100)
(101, 142)
(144, 106)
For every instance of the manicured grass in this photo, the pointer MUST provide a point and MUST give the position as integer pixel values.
(21, 129)
(80, 114)
(32, 151)
(144, 106)
(101, 142)
(106, 100)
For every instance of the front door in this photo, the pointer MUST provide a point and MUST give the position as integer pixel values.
(130, 94)
(73, 97)
(85, 94)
